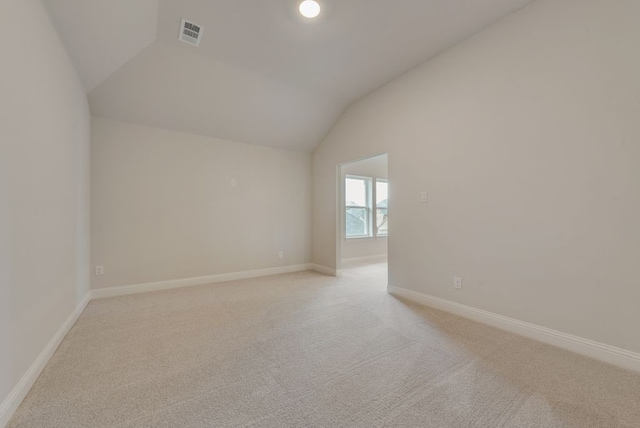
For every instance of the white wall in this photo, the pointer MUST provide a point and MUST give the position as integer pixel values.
(44, 184)
(164, 208)
(374, 167)
(527, 139)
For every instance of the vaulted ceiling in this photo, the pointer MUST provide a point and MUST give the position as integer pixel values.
(262, 73)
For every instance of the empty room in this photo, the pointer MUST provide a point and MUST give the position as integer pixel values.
(319, 213)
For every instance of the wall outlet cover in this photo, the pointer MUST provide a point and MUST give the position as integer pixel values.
(457, 283)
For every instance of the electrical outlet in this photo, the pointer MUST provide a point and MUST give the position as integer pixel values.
(457, 283)
(99, 270)
(234, 183)
(423, 197)
(280, 255)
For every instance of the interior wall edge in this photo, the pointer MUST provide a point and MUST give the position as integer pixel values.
(606, 353)
(22, 388)
(99, 293)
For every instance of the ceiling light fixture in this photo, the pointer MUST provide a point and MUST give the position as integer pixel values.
(309, 8)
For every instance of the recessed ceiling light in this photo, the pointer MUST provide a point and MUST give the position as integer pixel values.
(309, 8)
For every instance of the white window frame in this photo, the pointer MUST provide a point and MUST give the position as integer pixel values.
(371, 222)
(369, 233)
(375, 207)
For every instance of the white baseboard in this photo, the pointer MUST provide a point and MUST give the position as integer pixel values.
(20, 391)
(188, 282)
(600, 351)
(326, 270)
(376, 258)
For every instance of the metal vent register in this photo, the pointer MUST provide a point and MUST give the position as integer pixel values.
(190, 33)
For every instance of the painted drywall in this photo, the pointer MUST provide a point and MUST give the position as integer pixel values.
(526, 138)
(101, 36)
(262, 73)
(213, 99)
(44, 187)
(374, 167)
(164, 205)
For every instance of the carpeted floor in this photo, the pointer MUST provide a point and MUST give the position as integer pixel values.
(306, 350)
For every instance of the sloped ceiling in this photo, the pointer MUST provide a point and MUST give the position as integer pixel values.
(262, 74)
(102, 35)
(170, 87)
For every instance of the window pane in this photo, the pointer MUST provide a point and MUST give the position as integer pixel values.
(382, 221)
(356, 222)
(382, 196)
(355, 192)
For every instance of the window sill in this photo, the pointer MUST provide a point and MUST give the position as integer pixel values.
(364, 238)
(357, 238)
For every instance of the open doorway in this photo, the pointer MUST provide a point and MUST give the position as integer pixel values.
(364, 214)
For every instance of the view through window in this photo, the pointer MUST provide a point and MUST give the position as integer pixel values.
(357, 202)
(365, 204)
(382, 194)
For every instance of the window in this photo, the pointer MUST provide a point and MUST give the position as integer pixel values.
(357, 204)
(382, 195)
(365, 207)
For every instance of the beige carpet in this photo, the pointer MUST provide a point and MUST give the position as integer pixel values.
(306, 350)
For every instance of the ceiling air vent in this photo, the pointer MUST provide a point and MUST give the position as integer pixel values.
(190, 33)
